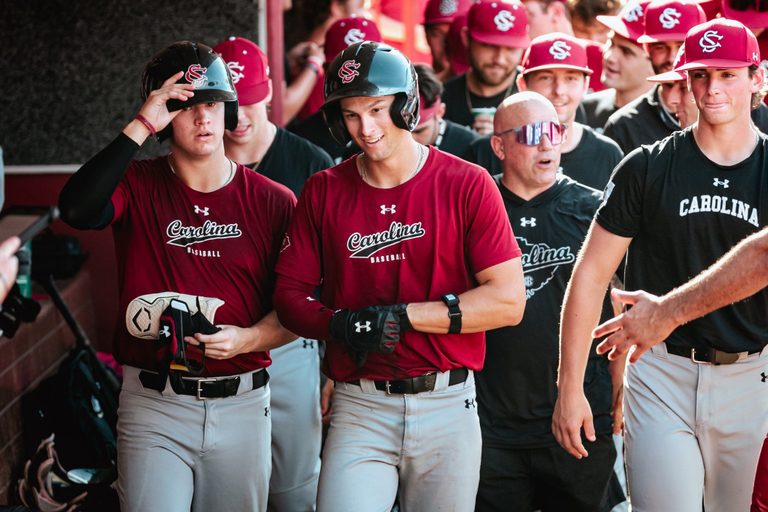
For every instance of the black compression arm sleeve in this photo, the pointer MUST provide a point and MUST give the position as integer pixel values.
(85, 201)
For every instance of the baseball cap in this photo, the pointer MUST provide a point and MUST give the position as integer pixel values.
(248, 67)
(630, 22)
(670, 20)
(711, 8)
(499, 22)
(752, 13)
(720, 43)
(427, 113)
(454, 46)
(555, 50)
(445, 11)
(348, 31)
(673, 76)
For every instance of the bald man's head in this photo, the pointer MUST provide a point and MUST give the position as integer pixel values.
(529, 168)
(521, 109)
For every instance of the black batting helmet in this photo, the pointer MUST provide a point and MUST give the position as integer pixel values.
(203, 68)
(371, 69)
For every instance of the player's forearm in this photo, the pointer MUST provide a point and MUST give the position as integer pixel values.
(299, 312)
(496, 302)
(268, 334)
(741, 273)
(298, 92)
(580, 314)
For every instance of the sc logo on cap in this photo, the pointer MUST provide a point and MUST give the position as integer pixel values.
(560, 50)
(706, 42)
(504, 21)
(448, 7)
(634, 14)
(669, 18)
(236, 70)
(355, 35)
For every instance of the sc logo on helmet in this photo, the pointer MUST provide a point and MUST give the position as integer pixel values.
(195, 75)
(348, 71)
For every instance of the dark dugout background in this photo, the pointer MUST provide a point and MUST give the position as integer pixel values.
(70, 71)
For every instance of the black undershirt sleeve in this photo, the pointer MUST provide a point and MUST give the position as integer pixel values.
(85, 201)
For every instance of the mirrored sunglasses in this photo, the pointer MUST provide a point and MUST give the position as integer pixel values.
(531, 134)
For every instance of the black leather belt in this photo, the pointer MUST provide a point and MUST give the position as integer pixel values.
(418, 384)
(706, 355)
(220, 387)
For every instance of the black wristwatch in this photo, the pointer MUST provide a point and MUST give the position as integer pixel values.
(454, 313)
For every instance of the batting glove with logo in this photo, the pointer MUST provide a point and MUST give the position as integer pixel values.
(373, 329)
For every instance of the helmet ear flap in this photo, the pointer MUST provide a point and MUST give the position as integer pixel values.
(405, 111)
(332, 115)
(230, 115)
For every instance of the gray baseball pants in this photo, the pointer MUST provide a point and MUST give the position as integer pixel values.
(694, 432)
(428, 445)
(177, 453)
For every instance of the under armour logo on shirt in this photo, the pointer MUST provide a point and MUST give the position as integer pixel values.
(469, 403)
(165, 332)
(367, 327)
(764, 376)
(309, 343)
(724, 183)
(204, 211)
(384, 209)
(708, 45)
(528, 222)
(266, 411)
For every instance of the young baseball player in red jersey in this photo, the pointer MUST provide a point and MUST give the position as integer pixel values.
(416, 260)
(195, 233)
(696, 411)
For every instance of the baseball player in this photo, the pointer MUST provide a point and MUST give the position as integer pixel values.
(295, 389)
(555, 66)
(625, 65)
(695, 410)
(523, 468)
(416, 260)
(678, 97)
(496, 36)
(433, 129)
(438, 17)
(196, 235)
(341, 34)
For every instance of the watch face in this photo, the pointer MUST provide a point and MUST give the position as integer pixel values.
(451, 297)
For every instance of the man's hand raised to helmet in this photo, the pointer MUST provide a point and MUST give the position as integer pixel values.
(155, 111)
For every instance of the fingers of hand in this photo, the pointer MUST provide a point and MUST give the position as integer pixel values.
(10, 246)
(606, 328)
(639, 351)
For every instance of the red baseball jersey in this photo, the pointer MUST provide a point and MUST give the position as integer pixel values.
(412, 243)
(221, 244)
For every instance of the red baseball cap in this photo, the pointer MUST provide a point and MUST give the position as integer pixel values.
(630, 22)
(249, 69)
(673, 76)
(555, 50)
(722, 44)
(670, 20)
(748, 12)
(454, 46)
(427, 113)
(500, 23)
(348, 31)
(445, 11)
(711, 8)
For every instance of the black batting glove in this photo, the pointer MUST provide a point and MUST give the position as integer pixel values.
(373, 329)
(402, 316)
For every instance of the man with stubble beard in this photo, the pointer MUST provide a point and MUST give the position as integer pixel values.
(496, 36)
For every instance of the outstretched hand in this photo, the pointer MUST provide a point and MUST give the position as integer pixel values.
(646, 324)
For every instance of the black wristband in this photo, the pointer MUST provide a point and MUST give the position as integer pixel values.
(454, 312)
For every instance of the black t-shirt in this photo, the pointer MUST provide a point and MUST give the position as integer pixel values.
(457, 108)
(314, 129)
(291, 160)
(598, 107)
(683, 213)
(517, 388)
(641, 121)
(590, 163)
(456, 140)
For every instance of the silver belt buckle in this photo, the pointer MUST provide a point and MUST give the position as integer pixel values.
(200, 389)
(386, 386)
(693, 358)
